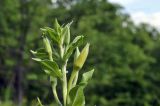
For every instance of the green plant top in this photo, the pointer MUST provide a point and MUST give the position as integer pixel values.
(53, 58)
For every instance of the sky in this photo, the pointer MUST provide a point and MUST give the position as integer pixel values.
(146, 11)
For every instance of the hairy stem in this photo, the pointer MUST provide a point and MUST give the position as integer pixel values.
(64, 84)
(64, 81)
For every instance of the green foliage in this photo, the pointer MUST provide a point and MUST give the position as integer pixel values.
(20, 21)
(73, 94)
(76, 94)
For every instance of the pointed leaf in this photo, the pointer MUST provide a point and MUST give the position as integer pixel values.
(66, 35)
(77, 97)
(76, 94)
(47, 45)
(77, 53)
(76, 42)
(39, 101)
(40, 53)
(51, 33)
(57, 26)
(86, 77)
(51, 67)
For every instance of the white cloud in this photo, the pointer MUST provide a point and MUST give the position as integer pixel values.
(140, 16)
(150, 18)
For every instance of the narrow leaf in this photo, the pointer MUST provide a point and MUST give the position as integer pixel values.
(86, 77)
(57, 25)
(76, 42)
(77, 53)
(40, 53)
(66, 34)
(39, 101)
(47, 45)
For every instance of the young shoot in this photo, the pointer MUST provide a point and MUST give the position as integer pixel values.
(53, 58)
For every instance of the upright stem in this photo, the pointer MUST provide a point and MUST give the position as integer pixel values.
(64, 82)
(56, 96)
(54, 86)
(71, 82)
(72, 77)
(75, 79)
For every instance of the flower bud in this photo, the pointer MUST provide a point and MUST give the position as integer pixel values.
(77, 53)
(67, 36)
(56, 25)
(81, 58)
(47, 45)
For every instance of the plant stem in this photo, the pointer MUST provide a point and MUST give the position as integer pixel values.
(70, 82)
(54, 86)
(75, 79)
(64, 82)
(56, 96)
(73, 74)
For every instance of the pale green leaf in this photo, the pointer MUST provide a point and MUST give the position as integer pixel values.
(86, 77)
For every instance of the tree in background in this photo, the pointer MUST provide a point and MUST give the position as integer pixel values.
(19, 21)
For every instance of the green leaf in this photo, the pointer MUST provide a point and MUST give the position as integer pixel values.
(75, 43)
(51, 33)
(57, 26)
(66, 34)
(50, 67)
(39, 102)
(76, 94)
(77, 97)
(76, 54)
(47, 45)
(86, 77)
(40, 53)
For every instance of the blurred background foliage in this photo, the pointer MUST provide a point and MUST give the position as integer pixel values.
(126, 56)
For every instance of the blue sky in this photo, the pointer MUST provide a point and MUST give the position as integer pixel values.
(147, 11)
